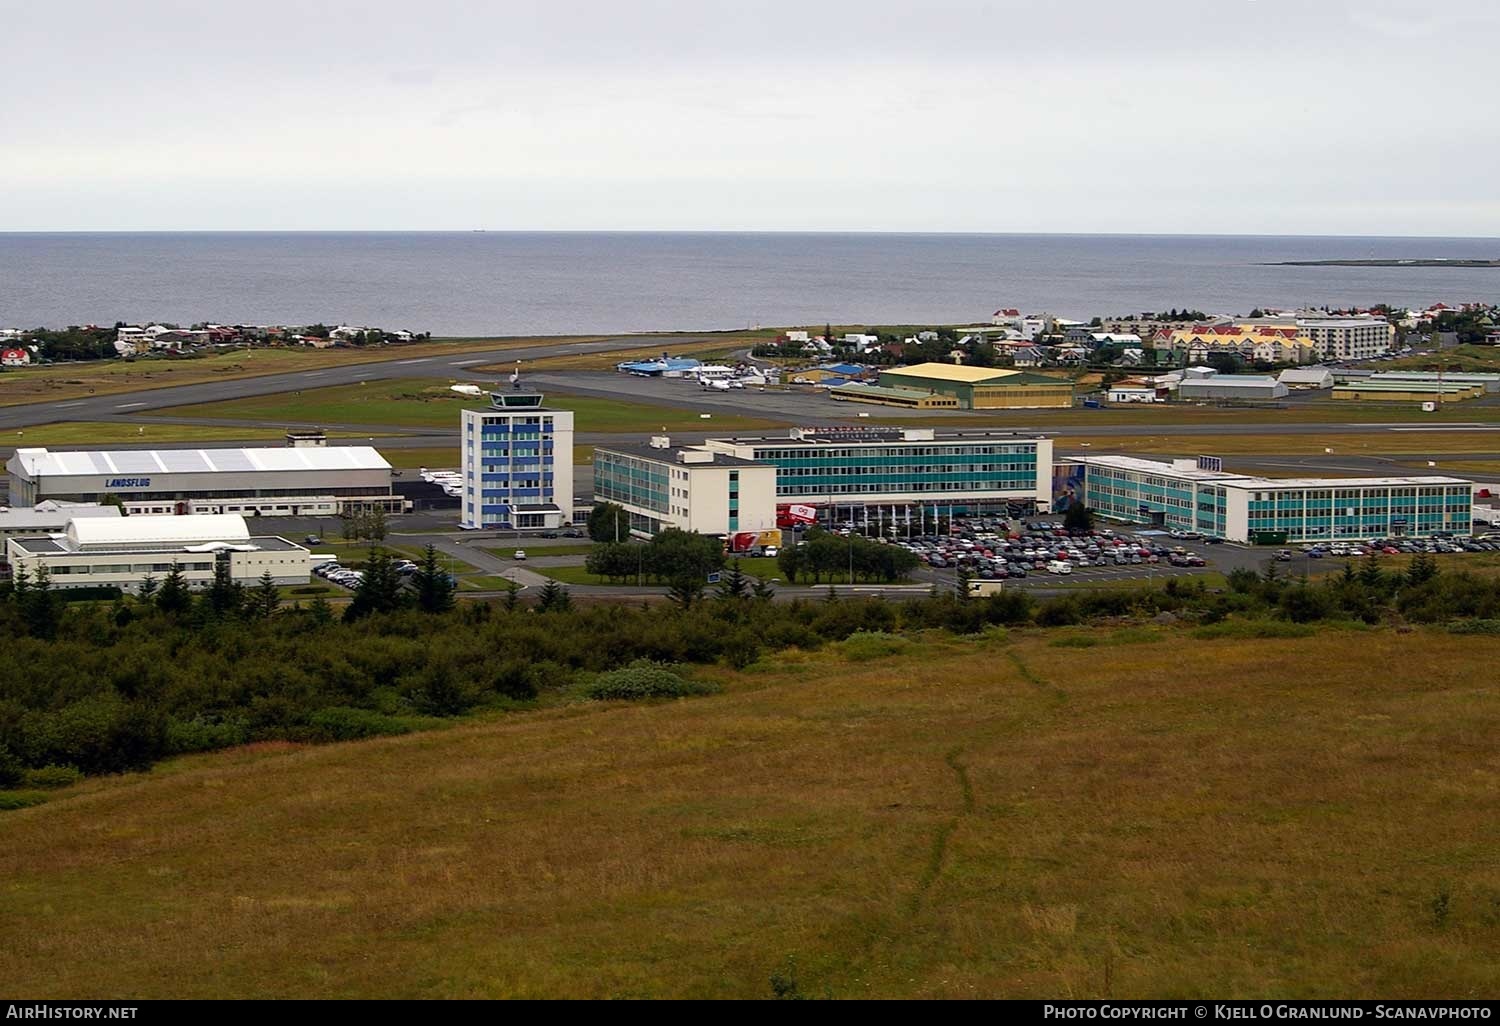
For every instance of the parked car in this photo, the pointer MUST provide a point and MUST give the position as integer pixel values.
(312, 539)
(519, 555)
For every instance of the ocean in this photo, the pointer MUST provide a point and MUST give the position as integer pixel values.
(525, 283)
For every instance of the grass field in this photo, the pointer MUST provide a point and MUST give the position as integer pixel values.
(1373, 444)
(1468, 358)
(422, 403)
(441, 458)
(114, 431)
(1128, 813)
(1166, 415)
(107, 377)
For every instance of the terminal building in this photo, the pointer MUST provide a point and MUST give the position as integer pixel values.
(1195, 495)
(834, 474)
(517, 464)
(692, 488)
(285, 481)
(123, 552)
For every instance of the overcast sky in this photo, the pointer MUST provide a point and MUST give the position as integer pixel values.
(1371, 117)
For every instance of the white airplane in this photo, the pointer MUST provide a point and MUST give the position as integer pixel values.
(466, 389)
(717, 384)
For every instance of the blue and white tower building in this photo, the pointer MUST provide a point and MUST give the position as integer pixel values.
(517, 463)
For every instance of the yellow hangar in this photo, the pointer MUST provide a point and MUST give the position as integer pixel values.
(982, 388)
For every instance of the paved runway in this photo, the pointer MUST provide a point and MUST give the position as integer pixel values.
(155, 406)
(454, 366)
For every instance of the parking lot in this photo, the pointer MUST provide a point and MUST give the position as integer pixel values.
(1040, 552)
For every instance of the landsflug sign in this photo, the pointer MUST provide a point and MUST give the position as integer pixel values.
(128, 482)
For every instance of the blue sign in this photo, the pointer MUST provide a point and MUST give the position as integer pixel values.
(128, 482)
(713, 578)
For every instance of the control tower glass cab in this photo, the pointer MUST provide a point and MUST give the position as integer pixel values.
(520, 400)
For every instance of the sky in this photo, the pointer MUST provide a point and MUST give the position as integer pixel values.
(1359, 117)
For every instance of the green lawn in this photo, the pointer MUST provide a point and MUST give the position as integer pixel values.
(535, 548)
(1136, 813)
(1467, 358)
(424, 403)
(107, 377)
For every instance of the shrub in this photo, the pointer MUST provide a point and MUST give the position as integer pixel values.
(1061, 612)
(20, 799)
(516, 679)
(1474, 627)
(12, 769)
(863, 646)
(343, 723)
(197, 735)
(1075, 641)
(49, 778)
(1254, 629)
(741, 649)
(438, 691)
(645, 679)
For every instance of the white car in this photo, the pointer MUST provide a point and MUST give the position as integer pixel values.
(1059, 566)
(519, 555)
(770, 550)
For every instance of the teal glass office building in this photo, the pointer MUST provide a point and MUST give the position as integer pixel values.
(837, 467)
(1183, 495)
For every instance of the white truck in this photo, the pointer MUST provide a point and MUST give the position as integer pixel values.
(978, 589)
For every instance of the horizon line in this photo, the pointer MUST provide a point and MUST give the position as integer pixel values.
(724, 231)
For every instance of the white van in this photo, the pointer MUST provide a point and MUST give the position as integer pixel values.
(1059, 566)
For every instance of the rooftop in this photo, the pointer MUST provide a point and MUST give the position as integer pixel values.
(953, 372)
(1139, 465)
(59, 545)
(35, 463)
(1342, 482)
(1250, 482)
(1234, 381)
(700, 457)
(50, 517)
(886, 391)
(156, 530)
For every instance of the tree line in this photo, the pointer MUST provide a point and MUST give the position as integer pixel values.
(114, 685)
